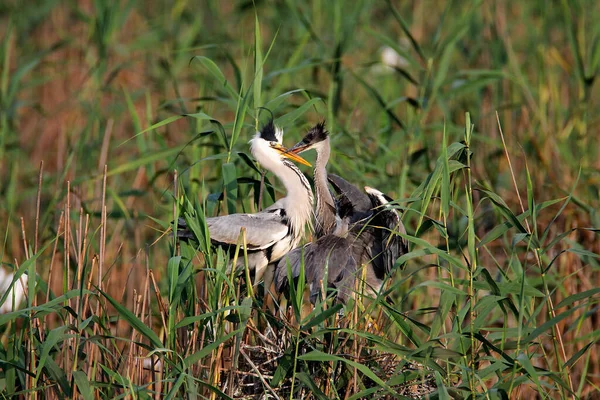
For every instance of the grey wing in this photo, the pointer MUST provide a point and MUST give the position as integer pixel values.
(331, 252)
(388, 218)
(369, 250)
(345, 281)
(361, 203)
(394, 245)
(262, 229)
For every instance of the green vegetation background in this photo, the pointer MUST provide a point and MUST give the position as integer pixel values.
(148, 88)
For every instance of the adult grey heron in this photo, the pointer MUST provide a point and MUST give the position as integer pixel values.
(369, 237)
(273, 232)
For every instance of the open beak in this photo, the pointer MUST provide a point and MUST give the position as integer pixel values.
(299, 148)
(287, 153)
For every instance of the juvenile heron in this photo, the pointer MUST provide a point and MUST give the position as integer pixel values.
(368, 237)
(273, 232)
(371, 242)
(325, 208)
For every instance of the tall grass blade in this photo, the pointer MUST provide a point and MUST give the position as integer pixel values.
(81, 379)
(258, 64)
(230, 186)
(134, 321)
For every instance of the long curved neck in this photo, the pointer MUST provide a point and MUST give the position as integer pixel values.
(325, 207)
(299, 198)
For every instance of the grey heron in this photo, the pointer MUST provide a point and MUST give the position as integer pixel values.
(274, 231)
(366, 233)
(325, 207)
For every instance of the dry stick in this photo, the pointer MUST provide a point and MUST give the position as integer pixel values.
(124, 300)
(232, 350)
(147, 301)
(262, 379)
(133, 347)
(161, 305)
(102, 230)
(68, 234)
(24, 237)
(159, 384)
(79, 236)
(252, 327)
(359, 289)
(139, 362)
(380, 312)
(130, 356)
(82, 236)
(105, 144)
(79, 250)
(216, 361)
(93, 349)
(194, 339)
(36, 322)
(76, 242)
(84, 244)
(83, 251)
(37, 211)
(25, 246)
(67, 250)
(537, 256)
(146, 287)
(102, 250)
(30, 349)
(60, 226)
(138, 353)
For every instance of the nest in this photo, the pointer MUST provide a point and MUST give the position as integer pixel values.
(264, 371)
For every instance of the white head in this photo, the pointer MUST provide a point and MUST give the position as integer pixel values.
(266, 147)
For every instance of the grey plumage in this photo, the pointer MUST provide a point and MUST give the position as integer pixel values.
(334, 255)
(365, 233)
(372, 243)
(360, 201)
(273, 232)
(389, 225)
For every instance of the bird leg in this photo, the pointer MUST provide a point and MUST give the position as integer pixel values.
(270, 293)
(262, 270)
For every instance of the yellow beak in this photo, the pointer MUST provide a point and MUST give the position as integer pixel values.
(292, 156)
